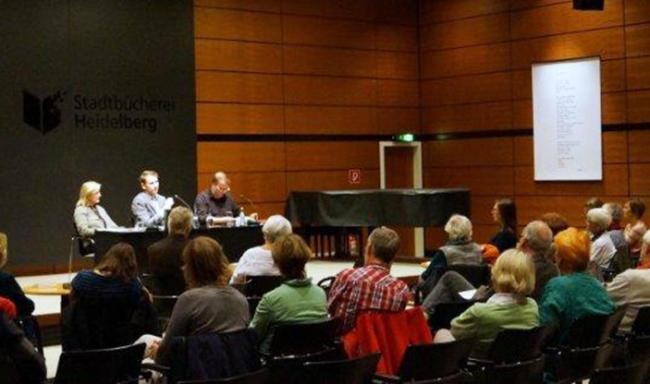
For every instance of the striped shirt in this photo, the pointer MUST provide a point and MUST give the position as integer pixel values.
(363, 289)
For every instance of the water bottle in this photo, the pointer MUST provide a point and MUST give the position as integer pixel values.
(241, 220)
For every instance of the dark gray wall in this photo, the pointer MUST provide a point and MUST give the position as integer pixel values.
(93, 49)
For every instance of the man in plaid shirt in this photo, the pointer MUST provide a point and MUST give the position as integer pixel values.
(370, 287)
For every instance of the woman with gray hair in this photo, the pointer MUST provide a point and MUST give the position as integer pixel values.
(258, 261)
(459, 249)
(602, 247)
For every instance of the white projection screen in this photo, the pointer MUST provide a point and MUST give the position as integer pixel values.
(567, 121)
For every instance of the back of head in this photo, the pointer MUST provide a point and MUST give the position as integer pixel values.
(87, 188)
(508, 213)
(384, 243)
(592, 203)
(459, 228)
(539, 237)
(615, 210)
(119, 262)
(573, 250)
(600, 218)
(205, 263)
(145, 174)
(637, 207)
(290, 254)
(276, 226)
(3, 249)
(514, 272)
(555, 221)
(179, 221)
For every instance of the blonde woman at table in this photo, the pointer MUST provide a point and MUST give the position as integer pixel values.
(89, 215)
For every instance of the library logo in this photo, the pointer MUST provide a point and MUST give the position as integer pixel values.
(43, 115)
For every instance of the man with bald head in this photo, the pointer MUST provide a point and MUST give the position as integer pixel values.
(215, 206)
(537, 242)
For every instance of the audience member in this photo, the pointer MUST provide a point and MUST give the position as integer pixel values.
(297, 300)
(258, 261)
(148, 207)
(370, 287)
(459, 249)
(592, 203)
(89, 215)
(602, 247)
(632, 287)
(210, 305)
(555, 221)
(165, 256)
(116, 275)
(504, 213)
(537, 242)
(9, 288)
(644, 259)
(635, 229)
(513, 278)
(575, 293)
(20, 362)
(615, 230)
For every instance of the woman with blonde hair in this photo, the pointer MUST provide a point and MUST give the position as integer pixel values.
(513, 279)
(575, 293)
(89, 215)
(209, 305)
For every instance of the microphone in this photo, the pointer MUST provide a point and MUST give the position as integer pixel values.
(183, 202)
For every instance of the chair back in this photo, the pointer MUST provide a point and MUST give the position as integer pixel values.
(476, 275)
(100, 366)
(593, 330)
(261, 376)
(446, 312)
(257, 286)
(432, 361)
(638, 349)
(352, 371)
(326, 283)
(32, 330)
(629, 374)
(641, 325)
(512, 345)
(303, 338)
(521, 372)
(213, 356)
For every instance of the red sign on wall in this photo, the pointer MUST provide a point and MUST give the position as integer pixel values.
(354, 176)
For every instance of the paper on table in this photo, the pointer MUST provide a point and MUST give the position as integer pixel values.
(467, 295)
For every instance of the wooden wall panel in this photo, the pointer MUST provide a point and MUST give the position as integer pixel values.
(397, 93)
(233, 157)
(397, 65)
(466, 89)
(637, 40)
(331, 155)
(638, 106)
(614, 183)
(259, 187)
(330, 91)
(480, 180)
(525, 4)
(328, 32)
(339, 120)
(444, 10)
(639, 180)
(562, 18)
(237, 56)
(615, 149)
(637, 11)
(398, 120)
(639, 142)
(472, 152)
(638, 75)
(329, 61)
(465, 61)
(238, 87)
(239, 118)
(237, 25)
(330, 180)
(465, 32)
(466, 117)
(396, 38)
(249, 5)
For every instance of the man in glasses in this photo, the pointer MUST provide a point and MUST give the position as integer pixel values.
(215, 206)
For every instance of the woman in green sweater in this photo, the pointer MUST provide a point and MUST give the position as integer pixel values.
(297, 300)
(575, 293)
(513, 278)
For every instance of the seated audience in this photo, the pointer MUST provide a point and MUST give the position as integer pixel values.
(370, 287)
(574, 293)
(633, 210)
(9, 288)
(615, 230)
(165, 256)
(210, 305)
(459, 249)
(632, 287)
(116, 276)
(20, 362)
(513, 278)
(555, 221)
(592, 203)
(602, 247)
(504, 213)
(258, 261)
(89, 215)
(297, 300)
(536, 242)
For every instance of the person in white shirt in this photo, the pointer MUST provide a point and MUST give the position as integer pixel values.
(632, 287)
(257, 261)
(602, 247)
